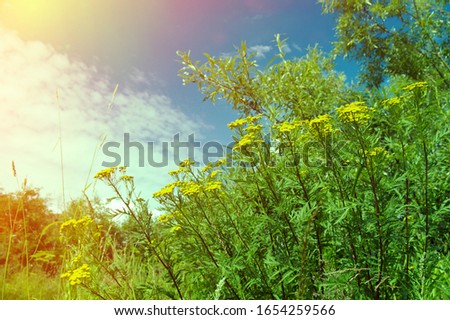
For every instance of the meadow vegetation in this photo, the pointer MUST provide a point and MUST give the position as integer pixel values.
(348, 198)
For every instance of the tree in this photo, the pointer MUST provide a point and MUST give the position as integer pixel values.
(29, 232)
(410, 38)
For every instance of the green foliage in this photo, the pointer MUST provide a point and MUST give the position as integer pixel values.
(29, 246)
(394, 37)
(349, 199)
(329, 192)
(35, 285)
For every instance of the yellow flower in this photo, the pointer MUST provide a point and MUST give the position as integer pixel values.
(174, 172)
(105, 173)
(355, 112)
(246, 140)
(375, 152)
(66, 224)
(415, 85)
(190, 188)
(78, 275)
(164, 218)
(392, 101)
(288, 126)
(254, 128)
(211, 186)
(321, 124)
(77, 258)
(175, 228)
(255, 118)
(186, 163)
(214, 173)
(241, 122)
(237, 123)
(75, 224)
(126, 178)
(164, 191)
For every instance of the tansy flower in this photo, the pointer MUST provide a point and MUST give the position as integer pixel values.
(174, 172)
(164, 218)
(211, 186)
(287, 126)
(190, 188)
(214, 173)
(321, 124)
(375, 152)
(175, 228)
(77, 258)
(254, 128)
(237, 123)
(241, 122)
(247, 139)
(355, 112)
(105, 173)
(78, 275)
(75, 224)
(164, 191)
(186, 163)
(392, 101)
(126, 178)
(415, 85)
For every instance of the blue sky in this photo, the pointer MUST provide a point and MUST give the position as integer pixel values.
(82, 49)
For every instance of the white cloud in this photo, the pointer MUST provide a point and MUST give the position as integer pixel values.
(286, 48)
(31, 75)
(297, 47)
(260, 50)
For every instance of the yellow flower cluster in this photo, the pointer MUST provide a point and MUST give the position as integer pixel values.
(216, 164)
(288, 126)
(211, 186)
(165, 218)
(186, 163)
(392, 101)
(190, 188)
(164, 191)
(376, 152)
(108, 172)
(241, 122)
(175, 228)
(356, 112)
(416, 85)
(237, 123)
(177, 171)
(76, 259)
(78, 275)
(321, 124)
(213, 174)
(126, 178)
(105, 173)
(246, 140)
(254, 128)
(75, 224)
